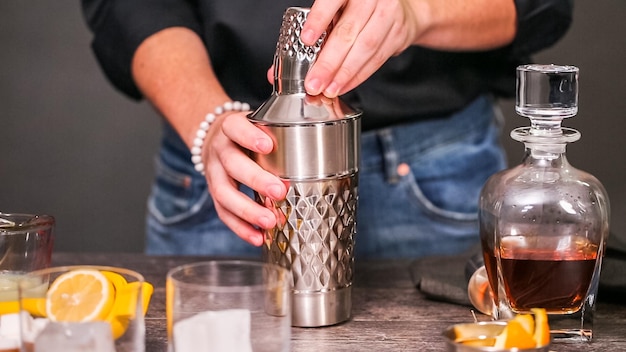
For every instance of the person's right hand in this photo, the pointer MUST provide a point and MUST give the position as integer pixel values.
(227, 165)
(364, 35)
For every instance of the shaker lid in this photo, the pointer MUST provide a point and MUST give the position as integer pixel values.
(289, 102)
(296, 109)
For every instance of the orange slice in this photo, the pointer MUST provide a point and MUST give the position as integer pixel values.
(527, 321)
(80, 295)
(515, 335)
(524, 331)
(169, 306)
(542, 328)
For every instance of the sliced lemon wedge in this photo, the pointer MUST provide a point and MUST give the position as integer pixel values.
(125, 305)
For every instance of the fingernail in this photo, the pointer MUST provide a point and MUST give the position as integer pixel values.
(275, 191)
(263, 145)
(257, 240)
(332, 90)
(308, 37)
(313, 86)
(265, 222)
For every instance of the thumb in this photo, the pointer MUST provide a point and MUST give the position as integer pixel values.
(270, 75)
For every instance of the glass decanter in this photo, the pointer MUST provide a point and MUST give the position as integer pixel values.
(544, 223)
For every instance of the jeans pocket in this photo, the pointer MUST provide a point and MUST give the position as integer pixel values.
(420, 193)
(175, 197)
(447, 183)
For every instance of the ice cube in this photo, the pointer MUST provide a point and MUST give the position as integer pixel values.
(216, 331)
(10, 325)
(32, 327)
(75, 337)
(9, 344)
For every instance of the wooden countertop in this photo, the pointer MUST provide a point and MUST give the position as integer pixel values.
(389, 313)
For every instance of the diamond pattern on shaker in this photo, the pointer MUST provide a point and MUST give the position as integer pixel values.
(316, 241)
(289, 39)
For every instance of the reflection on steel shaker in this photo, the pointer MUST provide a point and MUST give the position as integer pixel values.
(316, 153)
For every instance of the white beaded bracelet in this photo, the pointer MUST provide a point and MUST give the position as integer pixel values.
(198, 141)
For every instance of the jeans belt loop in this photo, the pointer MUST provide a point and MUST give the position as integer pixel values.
(390, 156)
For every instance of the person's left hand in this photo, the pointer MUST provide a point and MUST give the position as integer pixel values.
(364, 35)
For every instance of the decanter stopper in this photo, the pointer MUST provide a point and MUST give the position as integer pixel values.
(546, 94)
(547, 90)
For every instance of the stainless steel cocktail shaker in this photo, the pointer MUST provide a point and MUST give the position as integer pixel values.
(317, 146)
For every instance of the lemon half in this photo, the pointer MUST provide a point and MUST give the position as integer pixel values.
(80, 296)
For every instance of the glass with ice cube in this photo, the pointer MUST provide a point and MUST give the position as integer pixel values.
(228, 306)
(83, 308)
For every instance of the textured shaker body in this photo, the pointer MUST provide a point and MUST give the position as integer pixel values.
(316, 152)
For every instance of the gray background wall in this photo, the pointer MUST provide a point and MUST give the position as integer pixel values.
(73, 147)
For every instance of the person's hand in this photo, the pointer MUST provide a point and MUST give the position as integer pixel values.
(364, 35)
(227, 165)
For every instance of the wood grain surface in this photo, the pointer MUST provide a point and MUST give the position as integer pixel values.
(389, 313)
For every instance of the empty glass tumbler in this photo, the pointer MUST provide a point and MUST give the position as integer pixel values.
(224, 306)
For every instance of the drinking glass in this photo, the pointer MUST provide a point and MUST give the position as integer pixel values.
(25, 245)
(228, 306)
(83, 308)
(26, 242)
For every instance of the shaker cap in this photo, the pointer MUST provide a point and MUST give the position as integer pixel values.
(315, 137)
(289, 103)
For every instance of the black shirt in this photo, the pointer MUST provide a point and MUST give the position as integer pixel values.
(241, 38)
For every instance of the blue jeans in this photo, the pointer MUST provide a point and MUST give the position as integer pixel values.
(418, 191)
